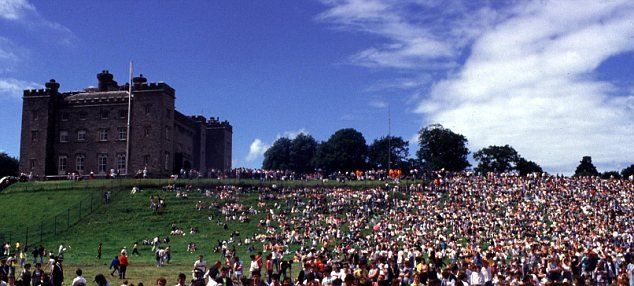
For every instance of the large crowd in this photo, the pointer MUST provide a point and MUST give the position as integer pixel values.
(458, 229)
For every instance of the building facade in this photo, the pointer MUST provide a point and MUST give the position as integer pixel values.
(86, 131)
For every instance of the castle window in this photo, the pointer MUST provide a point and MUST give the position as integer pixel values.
(168, 113)
(103, 134)
(167, 161)
(167, 133)
(123, 113)
(82, 115)
(81, 135)
(146, 131)
(123, 133)
(121, 162)
(62, 163)
(148, 109)
(34, 135)
(36, 115)
(146, 160)
(63, 136)
(80, 162)
(32, 163)
(102, 163)
(65, 116)
(104, 114)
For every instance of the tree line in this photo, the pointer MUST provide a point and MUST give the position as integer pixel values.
(439, 148)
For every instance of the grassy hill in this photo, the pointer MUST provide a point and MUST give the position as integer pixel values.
(74, 213)
(55, 209)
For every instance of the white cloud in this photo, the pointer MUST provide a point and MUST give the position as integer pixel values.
(529, 77)
(293, 133)
(425, 35)
(256, 150)
(377, 103)
(14, 9)
(23, 12)
(13, 88)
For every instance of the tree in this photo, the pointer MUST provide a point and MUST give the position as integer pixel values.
(627, 172)
(378, 155)
(525, 167)
(496, 159)
(302, 153)
(586, 168)
(610, 174)
(277, 157)
(442, 148)
(8, 165)
(345, 150)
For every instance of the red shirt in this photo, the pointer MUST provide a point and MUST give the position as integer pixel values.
(123, 260)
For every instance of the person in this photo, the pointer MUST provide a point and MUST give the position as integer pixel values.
(275, 280)
(36, 276)
(99, 249)
(61, 250)
(114, 265)
(254, 266)
(101, 280)
(79, 280)
(224, 279)
(42, 252)
(161, 281)
(269, 267)
(181, 279)
(199, 265)
(25, 276)
(123, 264)
(45, 280)
(630, 271)
(35, 252)
(58, 272)
(256, 279)
(168, 254)
(135, 249)
(237, 268)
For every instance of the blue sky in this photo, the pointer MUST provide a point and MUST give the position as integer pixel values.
(552, 79)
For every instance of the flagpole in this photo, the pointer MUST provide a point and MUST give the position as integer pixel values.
(389, 137)
(127, 141)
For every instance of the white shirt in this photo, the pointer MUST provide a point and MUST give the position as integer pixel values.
(77, 280)
(202, 265)
(476, 278)
(254, 266)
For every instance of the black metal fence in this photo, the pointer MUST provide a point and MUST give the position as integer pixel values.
(61, 221)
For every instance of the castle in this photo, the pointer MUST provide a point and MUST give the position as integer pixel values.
(86, 132)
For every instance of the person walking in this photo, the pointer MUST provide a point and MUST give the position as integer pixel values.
(99, 250)
(114, 265)
(135, 249)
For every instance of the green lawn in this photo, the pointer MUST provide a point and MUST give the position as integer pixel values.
(21, 209)
(125, 220)
(158, 183)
